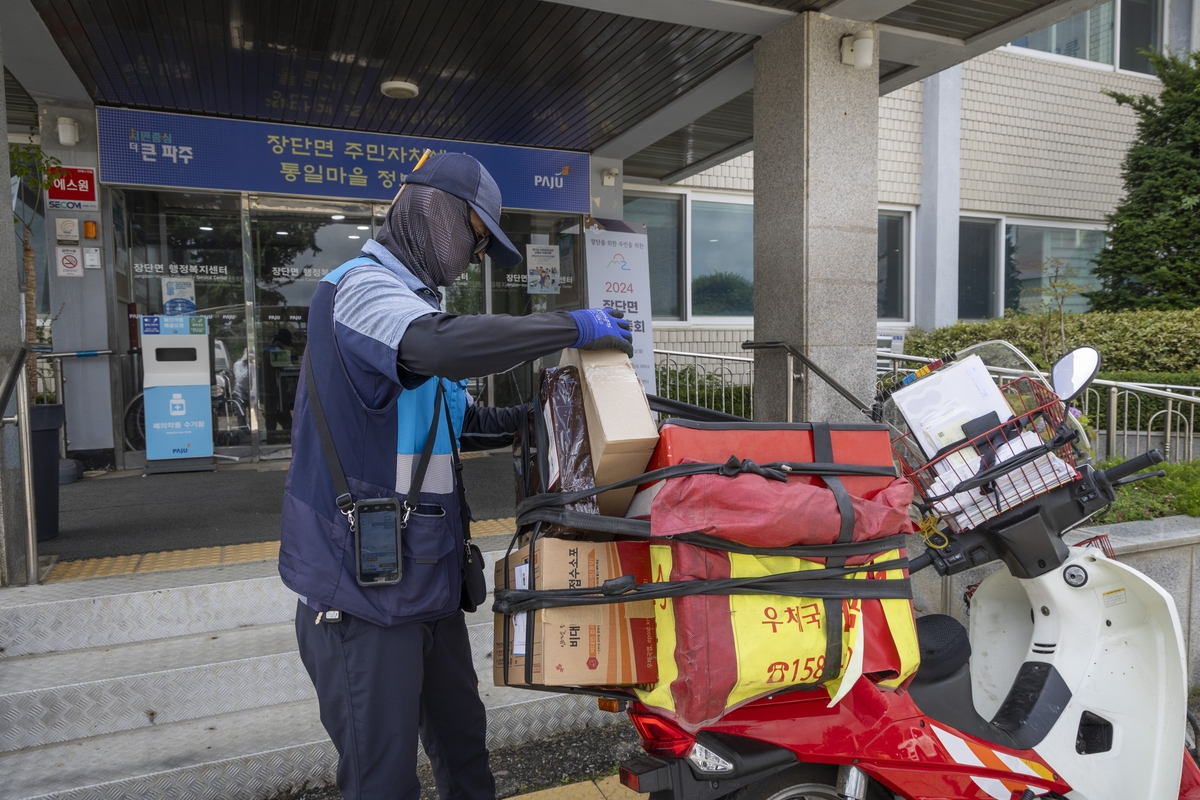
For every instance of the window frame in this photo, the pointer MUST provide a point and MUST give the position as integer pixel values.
(1034, 222)
(1164, 7)
(910, 256)
(998, 254)
(705, 195)
(684, 288)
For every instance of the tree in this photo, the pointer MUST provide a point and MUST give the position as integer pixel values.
(37, 171)
(1050, 297)
(722, 294)
(1152, 259)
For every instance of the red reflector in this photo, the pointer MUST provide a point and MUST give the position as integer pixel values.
(660, 737)
(630, 779)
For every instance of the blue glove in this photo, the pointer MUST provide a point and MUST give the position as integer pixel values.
(601, 329)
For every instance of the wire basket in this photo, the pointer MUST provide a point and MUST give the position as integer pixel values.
(1037, 418)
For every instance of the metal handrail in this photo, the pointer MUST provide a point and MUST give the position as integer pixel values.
(11, 375)
(15, 376)
(793, 352)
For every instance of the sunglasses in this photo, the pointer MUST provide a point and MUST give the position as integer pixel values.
(481, 246)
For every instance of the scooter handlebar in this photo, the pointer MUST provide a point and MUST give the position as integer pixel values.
(1133, 465)
(919, 563)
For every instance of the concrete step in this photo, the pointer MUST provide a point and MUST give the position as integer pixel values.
(73, 615)
(103, 612)
(62, 696)
(245, 755)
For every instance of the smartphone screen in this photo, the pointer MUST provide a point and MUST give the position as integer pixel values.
(378, 556)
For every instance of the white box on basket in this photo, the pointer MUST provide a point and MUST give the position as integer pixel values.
(934, 403)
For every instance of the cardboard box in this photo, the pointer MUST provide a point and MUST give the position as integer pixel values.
(621, 429)
(599, 645)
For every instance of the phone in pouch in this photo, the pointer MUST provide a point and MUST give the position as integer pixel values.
(377, 541)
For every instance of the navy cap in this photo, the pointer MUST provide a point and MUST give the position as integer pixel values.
(462, 176)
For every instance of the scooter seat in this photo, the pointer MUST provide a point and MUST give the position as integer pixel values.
(944, 644)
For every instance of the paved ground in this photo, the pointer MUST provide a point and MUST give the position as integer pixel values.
(574, 766)
(124, 513)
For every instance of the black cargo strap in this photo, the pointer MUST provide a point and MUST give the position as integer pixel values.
(823, 451)
(818, 583)
(777, 471)
(640, 529)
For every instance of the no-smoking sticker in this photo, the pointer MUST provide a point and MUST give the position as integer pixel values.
(70, 262)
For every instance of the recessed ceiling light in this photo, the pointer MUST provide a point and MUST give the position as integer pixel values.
(364, 227)
(714, 240)
(352, 236)
(338, 216)
(399, 90)
(205, 228)
(281, 233)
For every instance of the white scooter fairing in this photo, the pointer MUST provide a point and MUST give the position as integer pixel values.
(1117, 643)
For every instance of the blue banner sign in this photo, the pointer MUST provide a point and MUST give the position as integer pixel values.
(148, 148)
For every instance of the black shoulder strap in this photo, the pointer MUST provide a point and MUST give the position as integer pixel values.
(823, 451)
(463, 509)
(345, 502)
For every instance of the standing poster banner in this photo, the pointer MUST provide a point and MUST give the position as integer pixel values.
(618, 270)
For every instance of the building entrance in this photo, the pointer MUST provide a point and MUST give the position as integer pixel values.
(251, 264)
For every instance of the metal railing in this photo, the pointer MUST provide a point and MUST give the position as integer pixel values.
(1127, 418)
(719, 382)
(14, 379)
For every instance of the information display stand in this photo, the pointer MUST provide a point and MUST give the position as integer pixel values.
(178, 394)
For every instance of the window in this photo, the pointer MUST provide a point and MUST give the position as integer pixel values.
(1088, 35)
(1140, 24)
(1114, 33)
(663, 217)
(976, 269)
(722, 259)
(1044, 265)
(893, 282)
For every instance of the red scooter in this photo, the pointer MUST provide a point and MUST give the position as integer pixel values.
(1070, 684)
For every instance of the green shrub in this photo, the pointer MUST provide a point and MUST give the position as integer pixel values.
(1178, 493)
(1143, 341)
(704, 389)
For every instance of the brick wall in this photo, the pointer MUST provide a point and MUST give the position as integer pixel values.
(900, 146)
(736, 173)
(1039, 139)
(723, 340)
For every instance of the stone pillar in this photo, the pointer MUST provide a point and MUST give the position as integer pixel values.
(816, 130)
(12, 498)
(936, 269)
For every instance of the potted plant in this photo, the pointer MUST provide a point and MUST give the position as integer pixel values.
(36, 171)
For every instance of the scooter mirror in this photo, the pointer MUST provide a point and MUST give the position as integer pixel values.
(1072, 373)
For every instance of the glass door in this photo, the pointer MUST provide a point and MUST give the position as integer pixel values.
(513, 292)
(175, 250)
(293, 245)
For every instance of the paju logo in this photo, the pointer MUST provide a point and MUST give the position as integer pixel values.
(551, 181)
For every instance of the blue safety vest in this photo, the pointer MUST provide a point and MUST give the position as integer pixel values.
(379, 449)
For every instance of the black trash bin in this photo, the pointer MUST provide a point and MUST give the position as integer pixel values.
(46, 420)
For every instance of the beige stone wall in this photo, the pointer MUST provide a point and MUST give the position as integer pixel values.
(736, 173)
(900, 146)
(714, 340)
(1039, 139)
(899, 154)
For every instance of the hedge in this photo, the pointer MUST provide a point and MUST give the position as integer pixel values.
(1178, 493)
(1128, 341)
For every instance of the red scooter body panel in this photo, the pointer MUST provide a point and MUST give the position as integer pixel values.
(887, 736)
(1189, 784)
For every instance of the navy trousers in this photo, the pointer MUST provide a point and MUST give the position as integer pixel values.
(378, 687)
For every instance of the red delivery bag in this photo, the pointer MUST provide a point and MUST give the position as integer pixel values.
(719, 651)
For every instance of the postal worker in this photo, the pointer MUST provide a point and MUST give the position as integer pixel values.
(384, 375)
